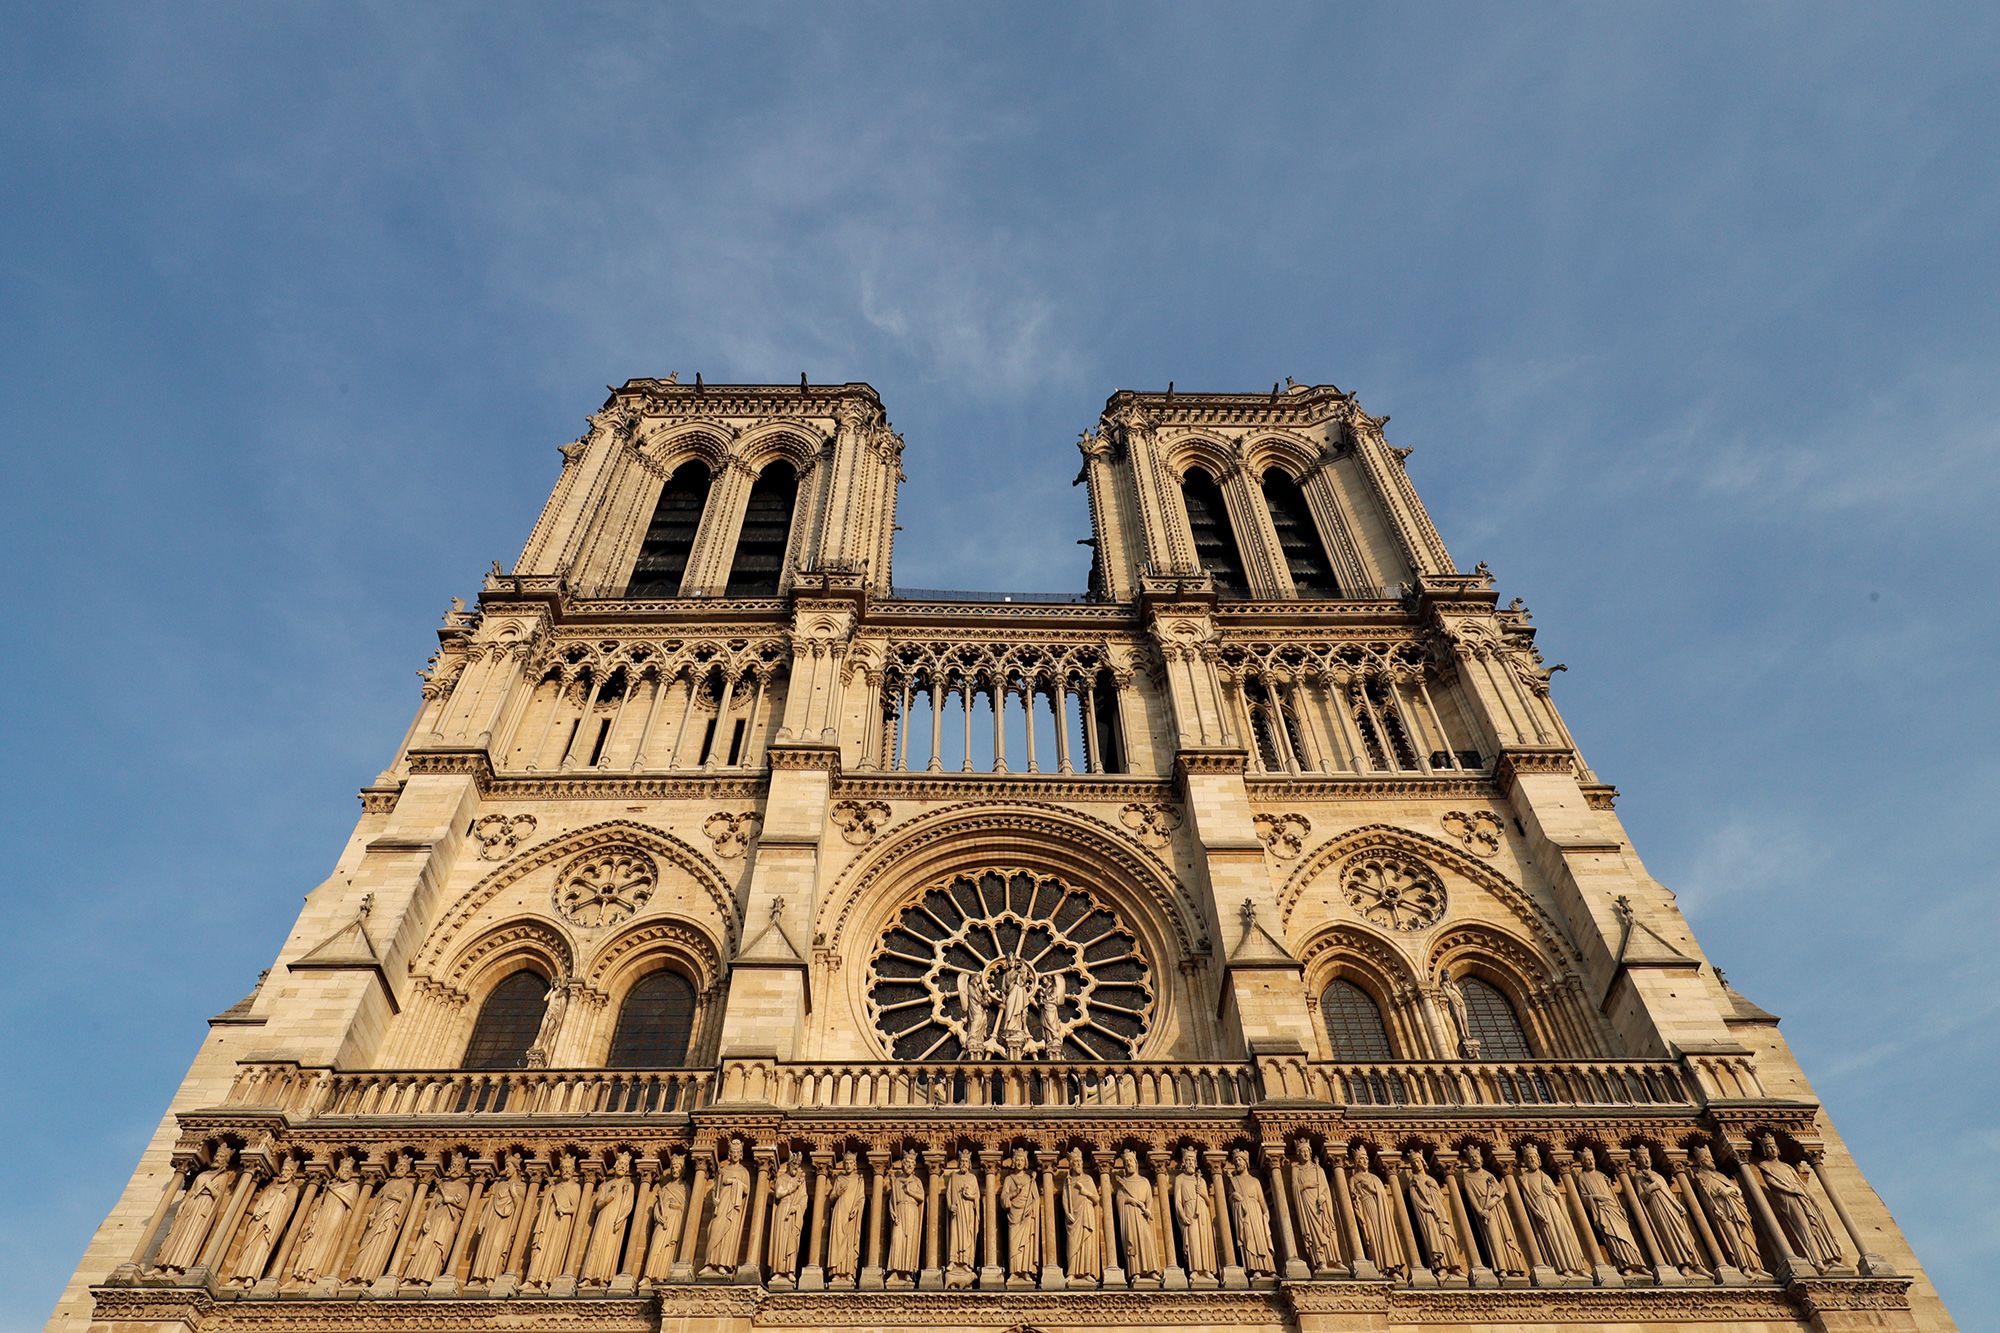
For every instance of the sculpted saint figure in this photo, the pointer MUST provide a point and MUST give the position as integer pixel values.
(555, 1223)
(788, 1216)
(1196, 1217)
(1435, 1228)
(267, 1221)
(1798, 1212)
(725, 1224)
(1375, 1214)
(843, 1233)
(1461, 1021)
(1136, 1220)
(961, 1195)
(906, 1219)
(1606, 1214)
(1541, 1199)
(1080, 1210)
(1049, 995)
(1315, 1197)
(1487, 1194)
(1672, 1232)
(319, 1243)
(1251, 1216)
(668, 1215)
(497, 1212)
(1023, 1206)
(1017, 993)
(204, 1199)
(610, 1210)
(1733, 1229)
(975, 1000)
(385, 1221)
(442, 1214)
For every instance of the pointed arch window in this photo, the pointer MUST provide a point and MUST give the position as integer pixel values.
(1298, 536)
(1214, 540)
(767, 529)
(655, 1023)
(1492, 1020)
(663, 557)
(1354, 1023)
(508, 1023)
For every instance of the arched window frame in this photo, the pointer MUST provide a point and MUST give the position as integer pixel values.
(652, 541)
(1240, 587)
(732, 586)
(503, 981)
(1305, 521)
(618, 1017)
(1333, 1043)
(645, 947)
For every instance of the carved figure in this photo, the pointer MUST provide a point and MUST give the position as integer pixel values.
(843, 1233)
(1541, 1199)
(1315, 1199)
(1798, 1212)
(1734, 1231)
(1080, 1211)
(204, 1199)
(1133, 1194)
(319, 1244)
(961, 1193)
(1607, 1216)
(1049, 995)
(725, 1224)
(906, 1219)
(1016, 993)
(1673, 1234)
(788, 1216)
(975, 997)
(385, 1221)
(555, 1222)
(1196, 1217)
(1435, 1229)
(669, 1215)
(442, 1214)
(544, 1044)
(266, 1221)
(1461, 1020)
(1023, 1206)
(496, 1219)
(1251, 1216)
(610, 1210)
(1486, 1195)
(1375, 1215)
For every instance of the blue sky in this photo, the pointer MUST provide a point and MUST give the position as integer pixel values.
(1689, 312)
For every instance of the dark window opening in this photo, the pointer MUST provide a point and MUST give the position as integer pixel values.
(603, 735)
(1298, 536)
(654, 1024)
(1214, 540)
(1493, 1022)
(767, 529)
(1354, 1023)
(508, 1023)
(663, 557)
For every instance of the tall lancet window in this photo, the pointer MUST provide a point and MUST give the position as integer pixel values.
(1298, 536)
(509, 1022)
(670, 536)
(767, 530)
(1214, 540)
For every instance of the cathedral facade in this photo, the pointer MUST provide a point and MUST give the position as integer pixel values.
(738, 940)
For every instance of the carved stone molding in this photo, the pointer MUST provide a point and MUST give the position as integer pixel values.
(606, 886)
(1153, 824)
(1478, 831)
(859, 821)
(732, 832)
(1284, 834)
(500, 835)
(1389, 889)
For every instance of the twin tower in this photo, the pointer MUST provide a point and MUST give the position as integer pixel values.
(737, 940)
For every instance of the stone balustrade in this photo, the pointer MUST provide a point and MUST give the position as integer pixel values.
(1474, 1083)
(988, 1083)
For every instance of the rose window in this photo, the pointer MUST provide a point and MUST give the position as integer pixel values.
(1393, 891)
(1007, 965)
(606, 886)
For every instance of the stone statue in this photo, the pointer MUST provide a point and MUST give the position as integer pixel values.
(1049, 994)
(1673, 1233)
(1734, 1231)
(1436, 1231)
(1486, 1194)
(1797, 1211)
(319, 1244)
(385, 1221)
(442, 1214)
(1375, 1215)
(1251, 1216)
(555, 1223)
(1542, 1200)
(725, 1224)
(1461, 1019)
(1016, 995)
(204, 1199)
(843, 1233)
(502, 1205)
(1315, 1200)
(610, 1211)
(906, 1220)
(266, 1221)
(975, 998)
(961, 1194)
(1137, 1223)
(668, 1216)
(542, 1050)
(1196, 1217)
(1023, 1206)
(1080, 1211)
(788, 1217)
(1607, 1216)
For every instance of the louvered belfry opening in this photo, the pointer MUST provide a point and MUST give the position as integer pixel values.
(663, 558)
(759, 566)
(1214, 540)
(1298, 536)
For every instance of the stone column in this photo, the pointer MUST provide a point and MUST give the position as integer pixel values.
(1053, 1277)
(1289, 1263)
(1785, 1264)
(931, 1278)
(1586, 1236)
(683, 1270)
(1360, 1264)
(1691, 1200)
(279, 1269)
(1399, 1185)
(1107, 1223)
(991, 1275)
(413, 1220)
(450, 1277)
(878, 1184)
(751, 1270)
(1477, 1274)
(1871, 1264)
(1173, 1276)
(813, 1276)
(1228, 1262)
(1663, 1273)
(1531, 1249)
(219, 1237)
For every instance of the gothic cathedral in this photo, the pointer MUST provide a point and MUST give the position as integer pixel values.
(738, 940)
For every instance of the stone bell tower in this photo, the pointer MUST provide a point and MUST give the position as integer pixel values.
(738, 940)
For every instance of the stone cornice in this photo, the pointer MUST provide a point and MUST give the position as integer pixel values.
(1353, 787)
(1004, 786)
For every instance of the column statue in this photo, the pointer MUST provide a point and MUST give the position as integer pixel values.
(442, 1215)
(906, 1221)
(788, 1217)
(962, 1203)
(1606, 1214)
(975, 999)
(1734, 1231)
(1251, 1216)
(1137, 1223)
(1798, 1212)
(610, 1211)
(1317, 1227)
(1196, 1218)
(555, 1223)
(668, 1216)
(319, 1244)
(843, 1241)
(1435, 1227)
(1487, 1194)
(1375, 1216)
(385, 1221)
(204, 1199)
(266, 1221)
(1080, 1211)
(1023, 1205)
(1673, 1233)
(497, 1215)
(1542, 1200)
(725, 1224)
